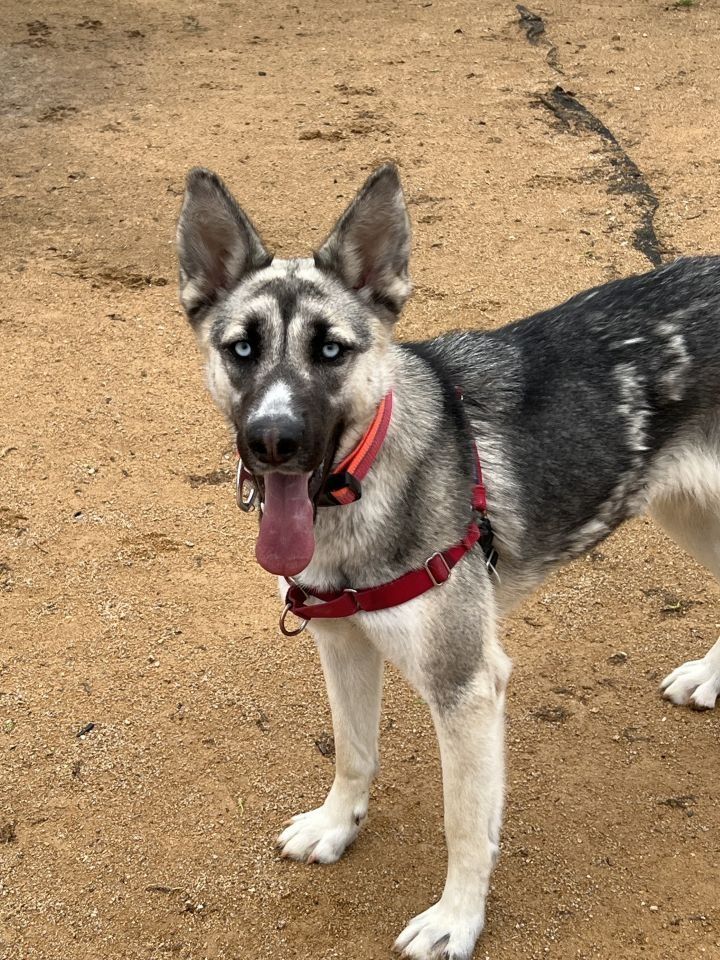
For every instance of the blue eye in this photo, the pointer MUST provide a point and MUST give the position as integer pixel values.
(331, 351)
(243, 349)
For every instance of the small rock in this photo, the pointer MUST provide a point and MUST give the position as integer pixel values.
(8, 833)
(679, 803)
(552, 714)
(326, 744)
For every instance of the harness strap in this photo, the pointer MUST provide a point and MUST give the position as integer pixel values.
(344, 603)
(479, 494)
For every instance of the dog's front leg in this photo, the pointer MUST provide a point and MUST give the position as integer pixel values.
(353, 674)
(470, 733)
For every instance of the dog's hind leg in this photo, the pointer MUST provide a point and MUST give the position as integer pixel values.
(353, 674)
(695, 525)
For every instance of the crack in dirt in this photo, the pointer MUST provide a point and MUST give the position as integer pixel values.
(532, 23)
(626, 177)
(534, 27)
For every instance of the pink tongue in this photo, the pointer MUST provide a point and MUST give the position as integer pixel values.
(286, 542)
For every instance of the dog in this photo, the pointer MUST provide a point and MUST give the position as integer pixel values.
(541, 437)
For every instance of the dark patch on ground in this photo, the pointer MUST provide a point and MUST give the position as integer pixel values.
(532, 23)
(679, 803)
(38, 35)
(38, 28)
(552, 714)
(626, 177)
(534, 27)
(6, 577)
(57, 114)
(12, 521)
(326, 744)
(331, 136)
(574, 117)
(213, 479)
(671, 603)
(8, 833)
(125, 278)
(632, 735)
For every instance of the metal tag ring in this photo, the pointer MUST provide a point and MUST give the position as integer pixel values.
(285, 630)
(246, 502)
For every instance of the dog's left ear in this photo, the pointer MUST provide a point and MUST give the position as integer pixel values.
(369, 246)
(216, 243)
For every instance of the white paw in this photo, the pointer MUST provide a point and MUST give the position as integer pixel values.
(319, 836)
(441, 933)
(695, 683)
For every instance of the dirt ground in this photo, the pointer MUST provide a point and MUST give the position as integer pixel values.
(155, 729)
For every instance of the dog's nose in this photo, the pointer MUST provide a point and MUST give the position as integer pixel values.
(274, 440)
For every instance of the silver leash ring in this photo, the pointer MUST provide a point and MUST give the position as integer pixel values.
(286, 631)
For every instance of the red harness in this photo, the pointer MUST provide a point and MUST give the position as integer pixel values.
(344, 486)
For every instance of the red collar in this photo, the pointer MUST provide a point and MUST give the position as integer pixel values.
(344, 484)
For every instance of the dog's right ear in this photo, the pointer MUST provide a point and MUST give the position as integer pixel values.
(216, 242)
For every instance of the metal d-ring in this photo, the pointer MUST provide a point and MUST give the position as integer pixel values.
(243, 480)
(284, 630)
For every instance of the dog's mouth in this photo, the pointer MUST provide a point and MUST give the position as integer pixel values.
(286, 541)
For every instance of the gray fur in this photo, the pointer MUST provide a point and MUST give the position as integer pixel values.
(369, 246)
(584, 415)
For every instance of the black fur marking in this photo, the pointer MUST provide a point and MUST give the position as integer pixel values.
(252, 335)
(321, 336)
(198, 310)
(288, 292)
(387, 303)
(559, 405)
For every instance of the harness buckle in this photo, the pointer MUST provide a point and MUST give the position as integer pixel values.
(442, 573)
(487, 538)
(246, 490)
(340, 481)
(491, 559)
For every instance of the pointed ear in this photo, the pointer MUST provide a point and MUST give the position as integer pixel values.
(369, 247)
(216, 243)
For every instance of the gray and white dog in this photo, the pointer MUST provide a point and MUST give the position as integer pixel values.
(598, 410)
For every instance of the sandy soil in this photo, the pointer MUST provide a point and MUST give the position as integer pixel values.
(131, 606)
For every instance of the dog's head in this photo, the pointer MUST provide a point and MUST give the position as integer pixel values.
(294, 348)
